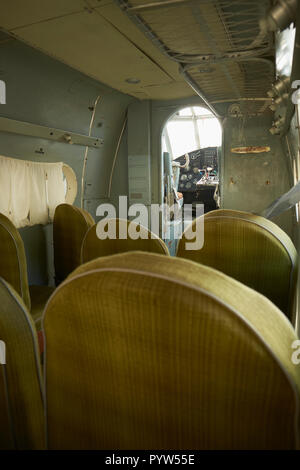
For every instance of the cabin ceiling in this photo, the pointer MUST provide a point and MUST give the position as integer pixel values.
(216, 43)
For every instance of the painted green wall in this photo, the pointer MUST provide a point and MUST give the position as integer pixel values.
(252, 182)
(43, 91)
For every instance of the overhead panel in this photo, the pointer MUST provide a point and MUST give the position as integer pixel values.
(88, 43)
(234, 24)
(114, 15)
(218, 44)
(96, 38)
(176, 86)
(252, 78)
(161, 43)
(18, 13)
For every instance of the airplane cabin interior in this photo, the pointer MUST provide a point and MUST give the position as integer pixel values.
(149, 225)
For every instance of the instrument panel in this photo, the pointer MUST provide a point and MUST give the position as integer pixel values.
(203, 169)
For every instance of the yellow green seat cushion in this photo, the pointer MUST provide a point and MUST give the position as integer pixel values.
(93, 246)
(149, 351)
(251, 249)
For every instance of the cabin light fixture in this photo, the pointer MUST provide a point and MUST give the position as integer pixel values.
(278, 101)
(206, 69)
(277, 126)
(132, 80)
(274, 130)
(280, 87)
(271, 93)
(279, 121)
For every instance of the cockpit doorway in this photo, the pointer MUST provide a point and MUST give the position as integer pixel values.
(191, 145)
(192, 138)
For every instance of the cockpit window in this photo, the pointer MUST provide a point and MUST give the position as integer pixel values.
(191, 129)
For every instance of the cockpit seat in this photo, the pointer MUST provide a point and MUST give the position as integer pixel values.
(70, 225)
(146, 351)
(251, 249)
(22, 424)
(93, 246)
(13, 268)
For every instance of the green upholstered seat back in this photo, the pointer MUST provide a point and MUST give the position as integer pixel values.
(146, 351)
(21, 395)
(251, 249)
(93, 247)
(13, 266)
(70, 225)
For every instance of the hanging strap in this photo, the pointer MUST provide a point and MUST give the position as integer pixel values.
(283, 203)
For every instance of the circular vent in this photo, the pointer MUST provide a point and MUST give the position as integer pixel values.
(234, 109)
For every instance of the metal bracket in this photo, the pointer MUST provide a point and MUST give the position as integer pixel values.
(199, 92)
(49, 133)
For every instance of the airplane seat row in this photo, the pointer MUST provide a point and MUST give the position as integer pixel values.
(74, 229)
(247, 247)
(244, 246)
(146, 351)
(76, 241)
(13, 268)
(192, 358)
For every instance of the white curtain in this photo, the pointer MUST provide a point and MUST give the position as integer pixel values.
(30, 191)
(56, 189)
(5, 185)
(38, 208)
(18, 173)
